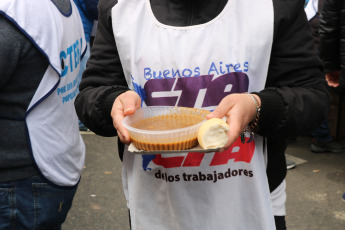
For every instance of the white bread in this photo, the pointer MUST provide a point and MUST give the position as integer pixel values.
(213, 133)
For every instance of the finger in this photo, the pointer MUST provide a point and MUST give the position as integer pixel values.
(122, 132)
(235, 130)
(221, 110)
(332, 84)
(130, 102)
(215, 114)
(124, 105)
(123, 138)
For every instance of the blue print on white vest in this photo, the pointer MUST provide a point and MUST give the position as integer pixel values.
(73, 54)
(139, 90)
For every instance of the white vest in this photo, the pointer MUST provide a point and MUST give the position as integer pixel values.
(311, 8)
(52, 123)
(196, 66)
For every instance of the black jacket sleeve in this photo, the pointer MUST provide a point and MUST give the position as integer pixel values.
(295, 99)
(332, 38)
(103, 80)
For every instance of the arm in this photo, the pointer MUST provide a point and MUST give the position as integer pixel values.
(295, 99)
(295, 85)
(103, 80)
(330, 36)
(332, 44)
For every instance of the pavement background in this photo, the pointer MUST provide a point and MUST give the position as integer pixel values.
(314, 189)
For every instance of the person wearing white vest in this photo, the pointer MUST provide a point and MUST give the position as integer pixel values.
(41, 150)
(206, 54)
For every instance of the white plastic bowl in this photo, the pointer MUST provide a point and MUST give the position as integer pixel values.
(172, 139)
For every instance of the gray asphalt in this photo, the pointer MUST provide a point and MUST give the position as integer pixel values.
(314, 189)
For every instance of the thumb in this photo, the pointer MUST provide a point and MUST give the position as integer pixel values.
(217, 113)
(223, 107)
(131, 102)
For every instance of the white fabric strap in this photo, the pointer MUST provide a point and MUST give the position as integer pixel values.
(311, 9)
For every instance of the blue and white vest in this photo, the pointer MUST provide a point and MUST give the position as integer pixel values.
(196, 66)
(52, 123)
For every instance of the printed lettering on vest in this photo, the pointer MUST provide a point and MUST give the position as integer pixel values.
(203, 91)
(190, 91)
(238, 152)
(70, 60)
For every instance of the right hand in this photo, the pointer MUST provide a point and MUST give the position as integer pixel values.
(239, 109)
(124, 105)
(333, 78)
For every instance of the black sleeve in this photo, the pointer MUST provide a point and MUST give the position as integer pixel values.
(103, 80)
(332, 39)
(330, 36)
(91, 7)
(295, 99)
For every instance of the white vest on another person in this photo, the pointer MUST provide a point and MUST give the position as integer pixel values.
(52, 123)
(196, 66)
(311, 8)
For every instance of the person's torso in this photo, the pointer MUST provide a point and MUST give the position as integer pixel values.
(51, 121)
(196, 66)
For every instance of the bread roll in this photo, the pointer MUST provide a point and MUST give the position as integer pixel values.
(213, 133)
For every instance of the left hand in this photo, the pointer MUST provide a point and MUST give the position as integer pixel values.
(240, 110)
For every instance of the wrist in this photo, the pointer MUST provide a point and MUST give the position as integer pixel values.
(253, 125)
(257, 103)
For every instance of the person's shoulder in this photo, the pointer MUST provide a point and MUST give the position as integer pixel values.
(287, 9)
(106, 5)
(8, 30)
(12, 39)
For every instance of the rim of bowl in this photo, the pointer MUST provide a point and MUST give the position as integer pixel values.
(162, 131)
